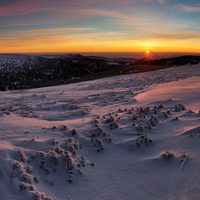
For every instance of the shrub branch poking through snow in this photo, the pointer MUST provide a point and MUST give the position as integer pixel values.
(184, 160)
(70, 178)
(184, 157)
(138, 143)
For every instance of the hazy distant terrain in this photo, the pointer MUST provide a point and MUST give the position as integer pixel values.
(18, 71)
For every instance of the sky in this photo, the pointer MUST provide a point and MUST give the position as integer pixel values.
(37, 26)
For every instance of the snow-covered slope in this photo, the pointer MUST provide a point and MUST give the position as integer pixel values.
(127, 137)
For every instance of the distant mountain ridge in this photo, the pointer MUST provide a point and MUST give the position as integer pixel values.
(19, 71)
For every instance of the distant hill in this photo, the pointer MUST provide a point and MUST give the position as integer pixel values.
(18, 71)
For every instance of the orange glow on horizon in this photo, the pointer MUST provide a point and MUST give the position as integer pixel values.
(64, 40)
(61, 45)
(84, 50)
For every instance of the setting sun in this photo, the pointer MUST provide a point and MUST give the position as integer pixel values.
(147, 51)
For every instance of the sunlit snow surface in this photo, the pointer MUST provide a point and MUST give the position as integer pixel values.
(127, 137)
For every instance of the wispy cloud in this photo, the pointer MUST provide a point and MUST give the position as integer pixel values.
(45, 32)
(23, 7)
(166, 1)
(32, 6)
(190, 8)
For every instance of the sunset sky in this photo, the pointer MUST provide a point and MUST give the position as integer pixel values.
(36, 26)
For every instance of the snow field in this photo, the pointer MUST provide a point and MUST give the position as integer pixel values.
(127, 137)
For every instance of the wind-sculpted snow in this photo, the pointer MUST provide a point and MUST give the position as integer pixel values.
(127, 137)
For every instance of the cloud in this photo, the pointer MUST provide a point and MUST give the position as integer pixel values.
(190, 8)
(23, 7)
(46, 32)
(32, 6)
(166, 1)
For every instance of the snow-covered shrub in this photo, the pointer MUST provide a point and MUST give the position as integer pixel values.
(179, 107)
(140, 127)
(134, 117)
(74, 131)
(96, 122)
(36, 179)
(47, 169)
(22, 155)
(36, 196)
(17, 166)
(167, 154)
(40, 196)
(64, 128)
(29, 169)
(138, 143)
(31, 188)
(110, 119)
(85, 111)
(114, 124)
(55, 141)
(53, 157)
(73, 106)
(185, 156)
(22, 186)
(154, 119)
(26, 177)
(161, 106)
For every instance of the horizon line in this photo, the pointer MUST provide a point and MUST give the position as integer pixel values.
(77, 52)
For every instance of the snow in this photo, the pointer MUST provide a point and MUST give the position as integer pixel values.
(55, 56)
(133, 136)
(113, 63)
